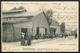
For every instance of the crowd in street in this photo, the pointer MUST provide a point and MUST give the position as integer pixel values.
(27, 38)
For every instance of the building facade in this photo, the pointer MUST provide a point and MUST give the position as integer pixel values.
(15, 22)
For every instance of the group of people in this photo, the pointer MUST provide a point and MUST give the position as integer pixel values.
(40, 36)
(43, 36)
(25, 39)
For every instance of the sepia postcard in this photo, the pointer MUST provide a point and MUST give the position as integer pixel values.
(28, 26)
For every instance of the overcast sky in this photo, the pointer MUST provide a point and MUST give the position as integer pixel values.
(63, 11)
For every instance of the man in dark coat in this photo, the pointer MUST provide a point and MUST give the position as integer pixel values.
(29, 39)
(76, 35)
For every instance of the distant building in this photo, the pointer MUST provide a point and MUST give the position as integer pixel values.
(56, 26)
(62, 27)
(17, 21)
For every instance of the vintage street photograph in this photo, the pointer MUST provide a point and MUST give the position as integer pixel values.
(39, 26)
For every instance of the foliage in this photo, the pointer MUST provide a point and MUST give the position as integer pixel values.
(49, 14)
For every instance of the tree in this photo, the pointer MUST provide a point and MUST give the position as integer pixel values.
(62, 26)
(49, 14)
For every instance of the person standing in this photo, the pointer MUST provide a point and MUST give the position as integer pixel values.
(22, 39)
(40, 35)
(76, 35)
(26, 37)
(29, 39)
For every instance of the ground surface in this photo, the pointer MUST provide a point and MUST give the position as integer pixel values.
(55, 44)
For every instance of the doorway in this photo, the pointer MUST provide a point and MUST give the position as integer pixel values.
(24, 30)
(41, 30)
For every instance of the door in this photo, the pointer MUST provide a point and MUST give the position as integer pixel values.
(24, 30)
(42, 30)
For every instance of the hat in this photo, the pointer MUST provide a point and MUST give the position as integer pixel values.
(22, 33)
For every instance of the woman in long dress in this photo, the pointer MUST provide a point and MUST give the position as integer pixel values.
(22, 39)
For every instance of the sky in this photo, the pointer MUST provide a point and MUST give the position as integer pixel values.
(63, 11)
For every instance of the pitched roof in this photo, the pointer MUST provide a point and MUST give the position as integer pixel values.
(16, 21)
(23, 14)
